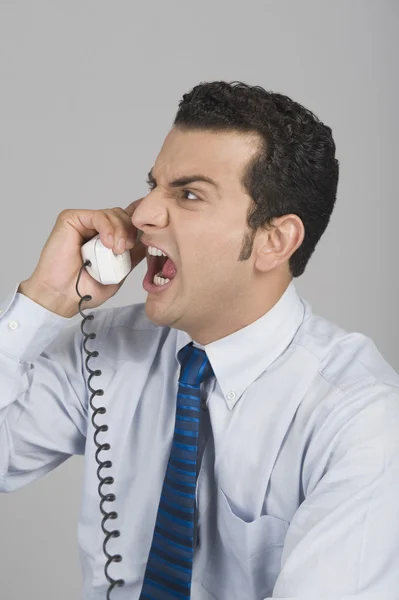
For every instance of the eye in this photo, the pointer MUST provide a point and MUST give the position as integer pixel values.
(152, 186)
(188, 192)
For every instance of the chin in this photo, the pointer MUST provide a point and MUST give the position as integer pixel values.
(155, 313)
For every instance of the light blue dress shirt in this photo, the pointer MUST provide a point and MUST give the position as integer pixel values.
(298, 491)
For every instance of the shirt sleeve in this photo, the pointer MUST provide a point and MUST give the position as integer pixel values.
(43, 405)
(343, 541)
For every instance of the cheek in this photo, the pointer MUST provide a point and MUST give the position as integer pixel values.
(212, 263)
(212, 269)
(199, 266)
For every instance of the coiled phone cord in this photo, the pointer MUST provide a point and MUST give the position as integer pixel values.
(101, 464)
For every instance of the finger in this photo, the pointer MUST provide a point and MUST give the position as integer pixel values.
(87, 222)
(123, 228)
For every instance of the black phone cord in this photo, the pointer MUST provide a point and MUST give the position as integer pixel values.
(100, 447)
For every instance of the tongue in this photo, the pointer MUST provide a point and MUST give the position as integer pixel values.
(169, 269)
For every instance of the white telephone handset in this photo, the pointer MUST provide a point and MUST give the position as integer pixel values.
(106, 267)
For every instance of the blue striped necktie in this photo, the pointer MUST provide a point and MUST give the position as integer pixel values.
(169, 567)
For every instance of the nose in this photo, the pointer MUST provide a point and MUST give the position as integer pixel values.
(134, 215)
(148, 215)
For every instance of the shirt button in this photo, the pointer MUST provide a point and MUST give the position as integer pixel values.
(231, 395)
(13, 325)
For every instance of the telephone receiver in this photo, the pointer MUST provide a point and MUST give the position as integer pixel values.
(106, 267)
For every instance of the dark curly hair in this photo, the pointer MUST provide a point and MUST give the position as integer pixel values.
(295, 171)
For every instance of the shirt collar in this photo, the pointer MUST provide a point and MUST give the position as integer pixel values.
(238, 359)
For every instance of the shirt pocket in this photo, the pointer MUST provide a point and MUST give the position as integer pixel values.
(245, 559)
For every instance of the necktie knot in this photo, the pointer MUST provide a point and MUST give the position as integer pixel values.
(195, 365)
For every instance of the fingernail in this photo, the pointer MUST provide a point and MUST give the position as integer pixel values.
(110, 240)
(121, 244)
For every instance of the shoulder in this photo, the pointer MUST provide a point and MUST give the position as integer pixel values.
(355, 402)
(344, 359)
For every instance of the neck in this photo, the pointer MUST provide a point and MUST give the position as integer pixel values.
(231, 319)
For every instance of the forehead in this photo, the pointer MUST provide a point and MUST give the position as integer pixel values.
(220, 155)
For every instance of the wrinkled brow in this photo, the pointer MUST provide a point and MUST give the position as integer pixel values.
(182, 181)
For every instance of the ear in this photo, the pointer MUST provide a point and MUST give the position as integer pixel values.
(280, 241)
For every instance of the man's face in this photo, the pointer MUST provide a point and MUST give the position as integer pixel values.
(203, 228)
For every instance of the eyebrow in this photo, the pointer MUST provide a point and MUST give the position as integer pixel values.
(182, 181)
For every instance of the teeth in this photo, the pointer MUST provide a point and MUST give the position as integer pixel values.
(155, 251)
(158, 280)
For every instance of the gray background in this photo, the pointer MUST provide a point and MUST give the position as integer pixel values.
(88, 93)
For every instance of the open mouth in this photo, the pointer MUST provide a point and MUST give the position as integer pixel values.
(161, 272)
(162, 266)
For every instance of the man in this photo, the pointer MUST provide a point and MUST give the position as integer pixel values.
(255, 446)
